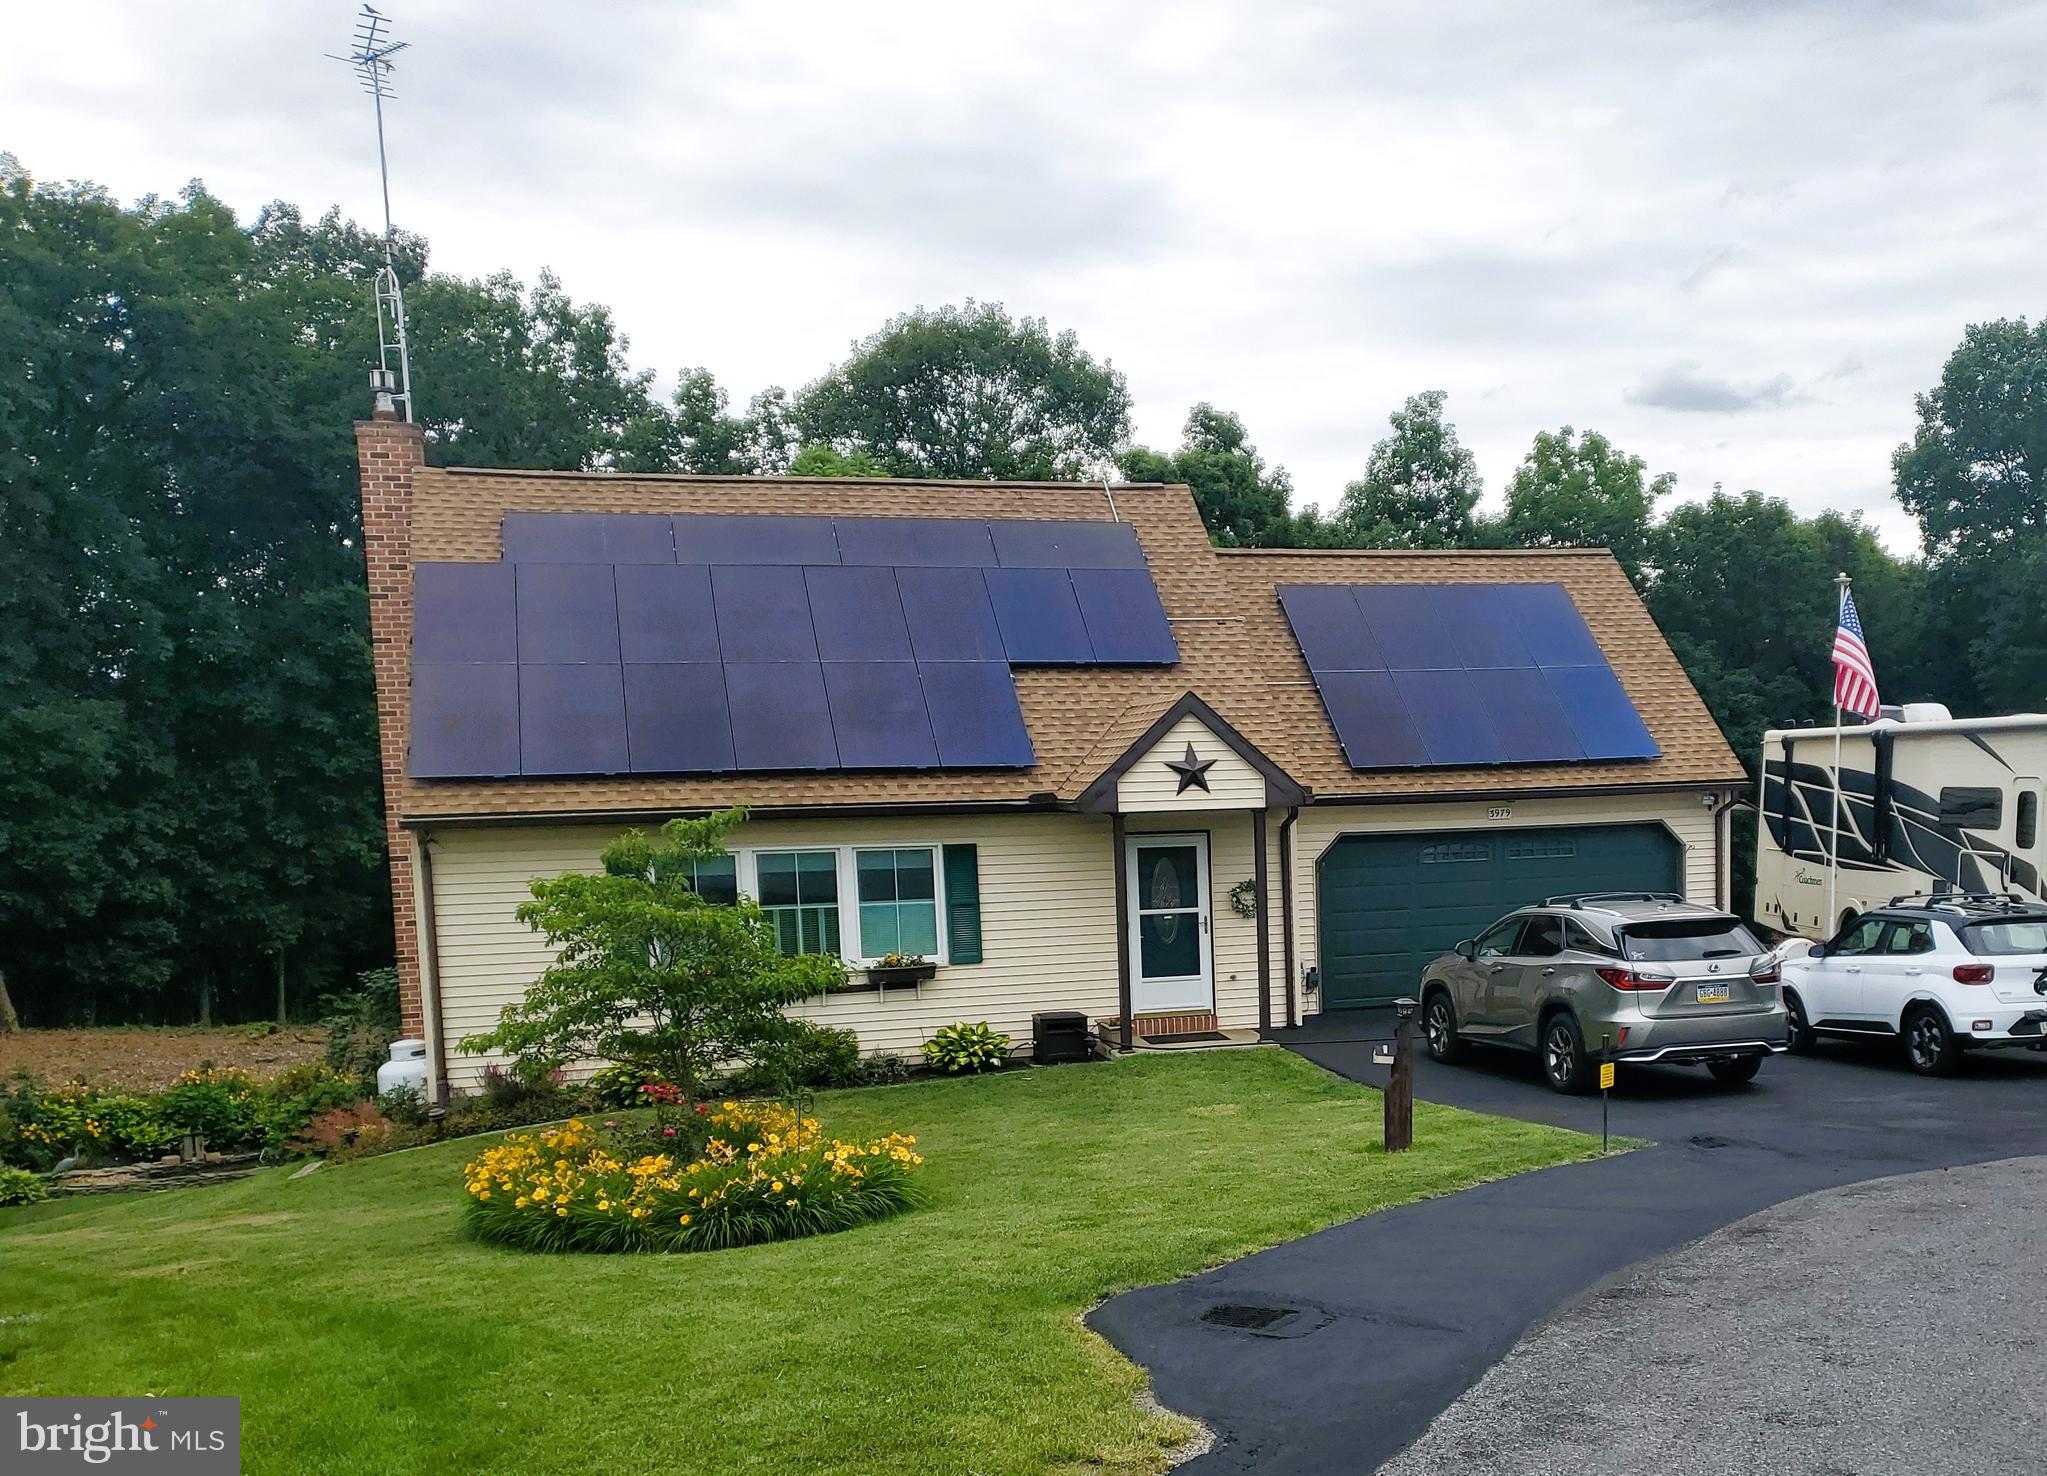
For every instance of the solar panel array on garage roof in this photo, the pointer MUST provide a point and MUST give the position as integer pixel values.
(712, 643)
(1428, 675)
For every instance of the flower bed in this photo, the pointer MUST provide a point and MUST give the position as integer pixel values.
(764, 1174)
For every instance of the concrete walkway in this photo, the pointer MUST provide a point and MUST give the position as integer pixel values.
(1397, 1314)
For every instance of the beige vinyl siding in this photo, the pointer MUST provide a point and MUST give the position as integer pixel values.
(1047, 921)
(1320, 826)
(1150, 786)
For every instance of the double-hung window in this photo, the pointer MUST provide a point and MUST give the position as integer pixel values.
(799, 892)
(898, 901)
(715, 879)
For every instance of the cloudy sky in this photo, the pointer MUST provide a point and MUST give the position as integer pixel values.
(1736, 236)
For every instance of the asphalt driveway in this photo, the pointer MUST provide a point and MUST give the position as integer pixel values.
(1390, 1318)
(1820, 1335)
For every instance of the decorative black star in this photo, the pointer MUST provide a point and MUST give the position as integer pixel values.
(1193, 771)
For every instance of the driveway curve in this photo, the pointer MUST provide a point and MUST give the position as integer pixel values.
(1884, 1329)
(1397, 1314)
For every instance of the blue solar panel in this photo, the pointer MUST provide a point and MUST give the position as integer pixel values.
(1607, 725)
(1532, 724)
(1330, 628)
(916, 542)
(763, 613)
(856, 614)
(1445, 709)
(463, 612)
(949, 616)
(1039, 617)
(722, 538)
(465, 720)
(975, 715)
(1480, 624)
(1027, 543)
(1550, 625)
(1126, 623)
(780, 717)
(665, 613)
(878, 715)
(588, 538)
(1480, 674)
(1404, 623)
(676, 720)
(567, 612)
(1371, 721)
(571, 719)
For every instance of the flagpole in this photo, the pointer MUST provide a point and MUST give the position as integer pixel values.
(1834, 829)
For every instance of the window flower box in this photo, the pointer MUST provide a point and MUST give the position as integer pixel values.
(898, 970)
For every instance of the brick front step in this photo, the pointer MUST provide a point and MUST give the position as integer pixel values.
(1187, 1023)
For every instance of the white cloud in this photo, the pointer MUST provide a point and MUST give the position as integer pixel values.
(1303, 212)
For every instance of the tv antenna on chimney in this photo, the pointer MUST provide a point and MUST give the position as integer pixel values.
(371, 55)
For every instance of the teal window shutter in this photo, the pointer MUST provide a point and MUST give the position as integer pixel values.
(962, 905)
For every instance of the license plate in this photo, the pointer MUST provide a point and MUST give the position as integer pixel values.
(1712, 994)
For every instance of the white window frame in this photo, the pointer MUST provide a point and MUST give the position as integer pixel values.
(853, 949)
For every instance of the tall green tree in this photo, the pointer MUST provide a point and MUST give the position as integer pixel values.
(187, 728)
(1420, 488)
(1577, 491)
(1242, 501)
(1975, 476)
(700, 433)
(649, 974)
(970, 392)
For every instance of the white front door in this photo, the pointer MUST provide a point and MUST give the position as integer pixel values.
(1170, 956)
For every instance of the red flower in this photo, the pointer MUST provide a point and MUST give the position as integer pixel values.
(668, 1132)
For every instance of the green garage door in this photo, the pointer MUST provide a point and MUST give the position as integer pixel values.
(1388, 904)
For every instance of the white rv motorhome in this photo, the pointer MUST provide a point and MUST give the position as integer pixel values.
(1928, 803)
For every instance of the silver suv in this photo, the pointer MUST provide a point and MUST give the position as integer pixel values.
(1620, 976)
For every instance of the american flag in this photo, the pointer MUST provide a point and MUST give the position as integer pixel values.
(1854, 676)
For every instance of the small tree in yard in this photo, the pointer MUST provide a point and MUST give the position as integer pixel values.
(648, 973)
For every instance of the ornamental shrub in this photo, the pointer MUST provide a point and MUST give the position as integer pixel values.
(22, 1186)
(765, 1174)
(361, 1024)
(803, 1055)
(649, 973)
(133, 1127)
(52, 1125)
(618, 1085)
(965, 1047)
(219, 1103)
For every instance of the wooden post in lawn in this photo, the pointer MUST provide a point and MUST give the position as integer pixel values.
(1400, 1082)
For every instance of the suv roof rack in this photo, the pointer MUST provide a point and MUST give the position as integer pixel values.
(1580, 899)
(1964, 901)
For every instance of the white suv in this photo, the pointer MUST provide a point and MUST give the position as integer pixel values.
(1942, 973)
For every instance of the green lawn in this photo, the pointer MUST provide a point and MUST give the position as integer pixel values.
(362, 1329)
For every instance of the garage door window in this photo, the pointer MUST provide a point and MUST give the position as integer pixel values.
(1449, 851)
(1542, 848)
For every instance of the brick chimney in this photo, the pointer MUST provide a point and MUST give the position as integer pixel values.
(389, 451)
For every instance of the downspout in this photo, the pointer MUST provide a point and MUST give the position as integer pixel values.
(1259, 887)
(1286, 908)
(1116, 831)
(1723, 839)
(429, 968)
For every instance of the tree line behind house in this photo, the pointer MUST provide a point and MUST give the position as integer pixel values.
(187, 726)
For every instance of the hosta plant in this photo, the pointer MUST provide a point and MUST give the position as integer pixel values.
(965, 1047)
